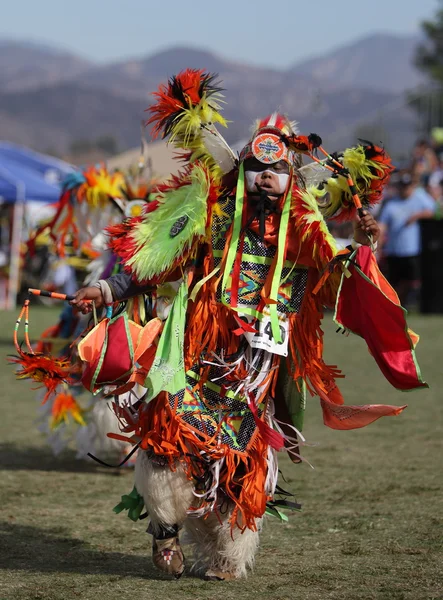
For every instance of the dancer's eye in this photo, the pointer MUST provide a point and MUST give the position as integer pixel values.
(280, 167)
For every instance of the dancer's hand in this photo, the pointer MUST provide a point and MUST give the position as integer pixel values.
(88, 293)
(364, 226)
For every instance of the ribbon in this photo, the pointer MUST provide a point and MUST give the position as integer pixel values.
(280, 257)
(234, 255)
(133, 503)
(273, 506)
(200, 284)
(236, 230)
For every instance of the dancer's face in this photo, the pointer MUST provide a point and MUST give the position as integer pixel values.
(273, 178)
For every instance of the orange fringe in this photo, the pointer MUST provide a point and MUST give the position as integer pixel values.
(242, 476)
(306, 347)
(210, 323)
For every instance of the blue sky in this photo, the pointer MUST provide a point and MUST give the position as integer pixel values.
(274, 33)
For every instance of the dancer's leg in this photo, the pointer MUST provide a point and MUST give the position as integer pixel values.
(222, 553)
(167, 495)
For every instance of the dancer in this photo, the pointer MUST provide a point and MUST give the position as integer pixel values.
(244, 246)
(91, 200)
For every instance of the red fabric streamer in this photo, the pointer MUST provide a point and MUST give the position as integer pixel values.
(369, 307)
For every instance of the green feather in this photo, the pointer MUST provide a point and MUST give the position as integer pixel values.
(273, 512)
(156, 249)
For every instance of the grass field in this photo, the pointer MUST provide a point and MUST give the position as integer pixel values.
(370, 528)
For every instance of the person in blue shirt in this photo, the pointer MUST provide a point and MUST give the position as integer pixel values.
(400, 236)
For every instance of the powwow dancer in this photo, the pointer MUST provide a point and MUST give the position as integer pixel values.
(91, 199)
(245, 247)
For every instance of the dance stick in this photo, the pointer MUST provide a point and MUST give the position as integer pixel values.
(54, 295)
(341, 170)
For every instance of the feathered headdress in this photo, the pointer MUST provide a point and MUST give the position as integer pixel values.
(276, 138)
(87, 202)
(65, 407)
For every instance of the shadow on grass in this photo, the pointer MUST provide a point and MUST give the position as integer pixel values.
(14, 457)
(31, 549)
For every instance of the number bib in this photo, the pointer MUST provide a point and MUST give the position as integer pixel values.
(263, 338)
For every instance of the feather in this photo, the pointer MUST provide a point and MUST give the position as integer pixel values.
(160, 240)
(85, 207)
(63, 405)
(184, 92)
(45, 369)
(120, 241)
(218, 149)
(304, 144)
(314, 174)
(310, 223)
(186, 111)
(278, 121)
(370, 168)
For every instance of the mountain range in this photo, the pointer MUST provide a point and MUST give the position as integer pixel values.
(50, 98)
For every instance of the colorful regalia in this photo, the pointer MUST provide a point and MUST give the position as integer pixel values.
(239, 281)
(241, 345)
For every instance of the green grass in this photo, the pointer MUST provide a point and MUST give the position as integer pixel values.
(370, 528)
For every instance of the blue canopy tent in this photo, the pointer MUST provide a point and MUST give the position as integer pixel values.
(36, 188)
(41, 174)
(26, 176)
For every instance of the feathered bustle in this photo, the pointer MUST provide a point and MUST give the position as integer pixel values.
(63, 407)
(175, 223)
(84, 208)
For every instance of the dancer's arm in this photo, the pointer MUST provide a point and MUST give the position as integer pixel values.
(364, 226)
(106, 291)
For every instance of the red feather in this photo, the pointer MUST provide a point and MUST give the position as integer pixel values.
(380, 156)
(182, 91)
(120, 242)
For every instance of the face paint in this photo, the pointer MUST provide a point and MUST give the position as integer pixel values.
(279, 181)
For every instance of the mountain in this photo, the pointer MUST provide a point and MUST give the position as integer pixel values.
(380, 61)
(52, 117)
(50, 98)
(250, 91)
(138, 77)
(27, 65)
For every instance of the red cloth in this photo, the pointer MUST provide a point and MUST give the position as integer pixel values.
(369, 307)
(113, 363)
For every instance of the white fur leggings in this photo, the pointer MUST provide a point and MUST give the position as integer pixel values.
(168, 495)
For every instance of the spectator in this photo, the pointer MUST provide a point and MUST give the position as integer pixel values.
(437, 194)
(400, 236)
(436, 178)
(424, 161)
